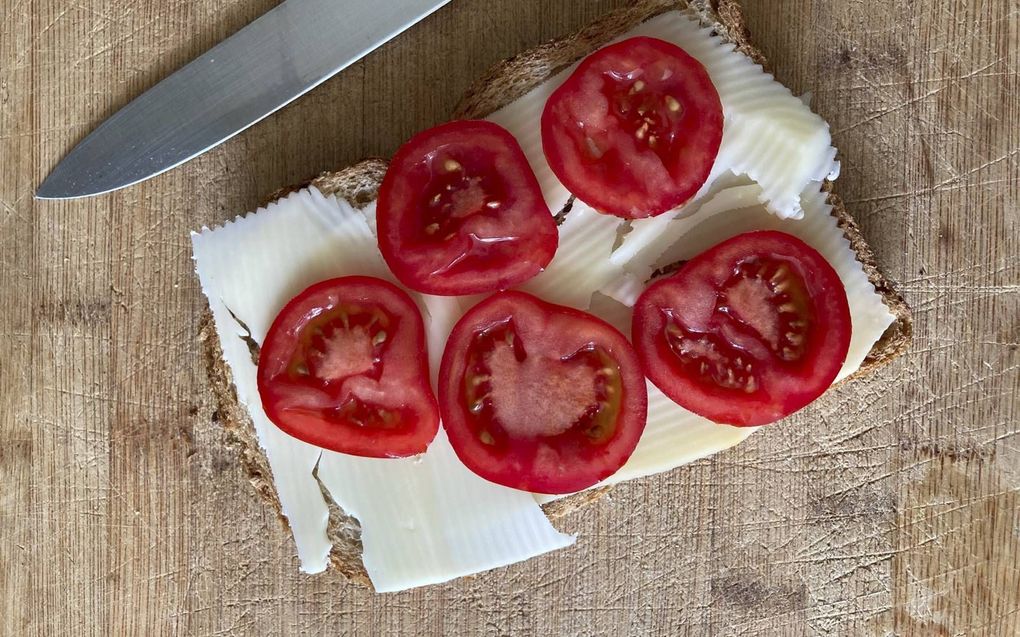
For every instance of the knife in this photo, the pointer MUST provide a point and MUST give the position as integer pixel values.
(282, 55)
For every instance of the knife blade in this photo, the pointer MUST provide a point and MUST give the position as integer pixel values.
(283, 54)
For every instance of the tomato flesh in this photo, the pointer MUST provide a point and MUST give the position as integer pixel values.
(461, 212)
(748, 332)
(540, 397)
(344, 368)
(635, 130)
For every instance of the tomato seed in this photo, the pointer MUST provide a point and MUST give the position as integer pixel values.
(780, 274)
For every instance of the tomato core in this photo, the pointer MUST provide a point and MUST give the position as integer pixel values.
(513, 395)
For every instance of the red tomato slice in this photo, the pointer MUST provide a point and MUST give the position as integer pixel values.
(748, 332)
(344, 367)
(635, 130)
(540, 397)
(461, 212)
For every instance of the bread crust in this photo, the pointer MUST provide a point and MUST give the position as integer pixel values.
(502, 84)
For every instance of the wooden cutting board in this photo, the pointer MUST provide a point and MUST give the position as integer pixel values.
(891, 507)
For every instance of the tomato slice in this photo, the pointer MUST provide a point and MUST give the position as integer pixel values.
(748, 332)
(344, 367)
(635, 130)
(461, 212)
(540, 397)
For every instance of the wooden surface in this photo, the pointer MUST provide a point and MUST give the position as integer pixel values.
(891, 507)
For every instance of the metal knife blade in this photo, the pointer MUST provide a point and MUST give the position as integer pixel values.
(277, 58)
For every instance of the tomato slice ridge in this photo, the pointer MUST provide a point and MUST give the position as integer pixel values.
(767, 297)
(344, 368)
(746, 333)
(710, 357)
(341, 354)
(460, 212)
(635, 130)
(540, 397)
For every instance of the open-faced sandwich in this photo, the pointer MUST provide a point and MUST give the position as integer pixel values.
(622, 255)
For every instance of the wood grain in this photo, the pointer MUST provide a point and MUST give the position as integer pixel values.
(892, 507)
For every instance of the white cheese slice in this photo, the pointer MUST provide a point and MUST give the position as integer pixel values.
(442, 313)
(251, 267)
(612, 311)
(428, 520)
(370, 217)
(674, 437)
(769, 134)
(650, 237)
(582, 264)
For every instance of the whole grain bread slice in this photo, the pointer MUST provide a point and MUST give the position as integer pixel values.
(504, 83)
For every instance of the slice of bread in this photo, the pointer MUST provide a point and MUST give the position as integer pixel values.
(504, 83)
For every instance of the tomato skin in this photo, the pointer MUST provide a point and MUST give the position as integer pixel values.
(746, 333)
(635, 130)
(460, 212)
(540, 443)
(379, 407)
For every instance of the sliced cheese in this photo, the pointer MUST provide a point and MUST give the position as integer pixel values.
(442, 313)
(769, 134)
(674, 437)
(582, 264)
(612, 311)
(429, 520)
(249, 269)
(370, 217)
(650, 237)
